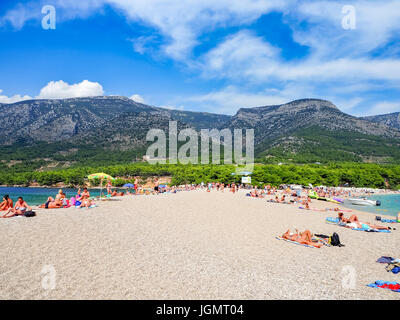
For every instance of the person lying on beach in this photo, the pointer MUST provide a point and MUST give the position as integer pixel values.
(52, 203)
(354, 222)
(301, 237)
(19, 209)
(86, 203)
(6, 204)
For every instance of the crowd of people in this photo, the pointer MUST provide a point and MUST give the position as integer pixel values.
(283, 194)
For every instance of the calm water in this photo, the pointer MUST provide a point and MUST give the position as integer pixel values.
(390, 205)
(36, 196)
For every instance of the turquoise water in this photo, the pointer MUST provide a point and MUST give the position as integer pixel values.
(390, 205)
(36, 196)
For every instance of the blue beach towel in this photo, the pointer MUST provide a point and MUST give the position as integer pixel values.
(294, 242)
(389, 221)
(333, 220)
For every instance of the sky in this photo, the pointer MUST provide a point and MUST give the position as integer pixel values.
(204, 55)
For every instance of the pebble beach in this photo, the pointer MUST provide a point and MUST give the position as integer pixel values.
(189, 245)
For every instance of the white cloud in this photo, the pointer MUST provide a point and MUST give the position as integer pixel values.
(60, 89)
(229, 99)
(180, 22)
(338, 59)
(15, 98)
(245, 55)
(376, 23)
(137, 98)
(173, 107)
(384, 107)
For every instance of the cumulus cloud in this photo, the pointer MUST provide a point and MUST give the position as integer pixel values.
(60, 89)
(137, 98)
(15, 98)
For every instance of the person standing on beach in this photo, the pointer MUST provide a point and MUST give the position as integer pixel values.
(109, 185)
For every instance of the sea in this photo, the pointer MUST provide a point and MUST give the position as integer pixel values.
(390, 205)
(36, 196)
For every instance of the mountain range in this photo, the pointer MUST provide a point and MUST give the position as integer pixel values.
(112, 129)
(391, 119)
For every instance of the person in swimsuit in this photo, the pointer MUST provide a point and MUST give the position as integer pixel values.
(78, 194)
(85, 194)
(354, 219)
(301, 237)
(85, 199)
(109, 185)
(20, 208)
(6, 204)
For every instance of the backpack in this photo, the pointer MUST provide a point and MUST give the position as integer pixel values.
(334, 240)
(29, 214)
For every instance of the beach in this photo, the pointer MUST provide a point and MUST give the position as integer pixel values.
(189, 245)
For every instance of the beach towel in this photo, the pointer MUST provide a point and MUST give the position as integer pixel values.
(294, 242)
(385, 259)
(313, 209)
(336, 221)
(394, 286)
(378, 218)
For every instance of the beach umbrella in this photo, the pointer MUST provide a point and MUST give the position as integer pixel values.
(102, 176)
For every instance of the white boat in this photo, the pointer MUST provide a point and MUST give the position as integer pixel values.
(364, 202)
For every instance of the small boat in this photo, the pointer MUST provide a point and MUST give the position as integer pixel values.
(364, 202)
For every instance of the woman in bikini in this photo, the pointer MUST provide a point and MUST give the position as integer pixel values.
(6, 204)
(20, 208)
(85, 199)
(302, 238)
(109, 185)
(354, 219)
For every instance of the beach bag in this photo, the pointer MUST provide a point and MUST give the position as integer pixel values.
(29, 214)
(334, 240)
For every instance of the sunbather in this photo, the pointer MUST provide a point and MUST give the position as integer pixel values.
(86, 203)
(6, 204)
(301, 237)
(353, 222)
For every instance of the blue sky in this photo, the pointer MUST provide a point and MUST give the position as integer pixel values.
(203, 55)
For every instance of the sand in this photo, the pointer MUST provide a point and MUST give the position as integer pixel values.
(189, 245)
